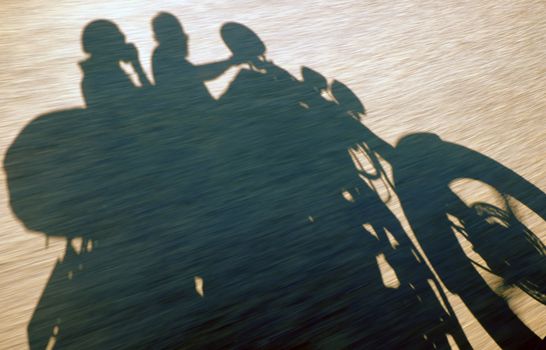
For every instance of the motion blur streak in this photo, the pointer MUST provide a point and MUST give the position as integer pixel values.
(454, 97)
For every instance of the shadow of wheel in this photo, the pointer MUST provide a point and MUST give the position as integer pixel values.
(511, 250)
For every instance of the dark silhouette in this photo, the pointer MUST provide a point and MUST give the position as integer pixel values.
(104, 81)
(423, 167)
(426, 208)
(179, 83)
(257, 196)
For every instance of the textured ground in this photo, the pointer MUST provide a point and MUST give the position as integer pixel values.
(470, 72)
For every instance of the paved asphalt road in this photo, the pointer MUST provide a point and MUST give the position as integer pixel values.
(168, 217)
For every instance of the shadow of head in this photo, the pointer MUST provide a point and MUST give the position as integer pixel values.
(103, 40)
(168, 32)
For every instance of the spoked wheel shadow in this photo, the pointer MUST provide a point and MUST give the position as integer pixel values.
(512, 251)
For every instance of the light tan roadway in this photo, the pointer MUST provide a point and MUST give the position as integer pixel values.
(473, 72)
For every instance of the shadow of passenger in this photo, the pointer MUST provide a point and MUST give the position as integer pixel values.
(103, 178)
(187, 121)
(180, 85)
(61, 157)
